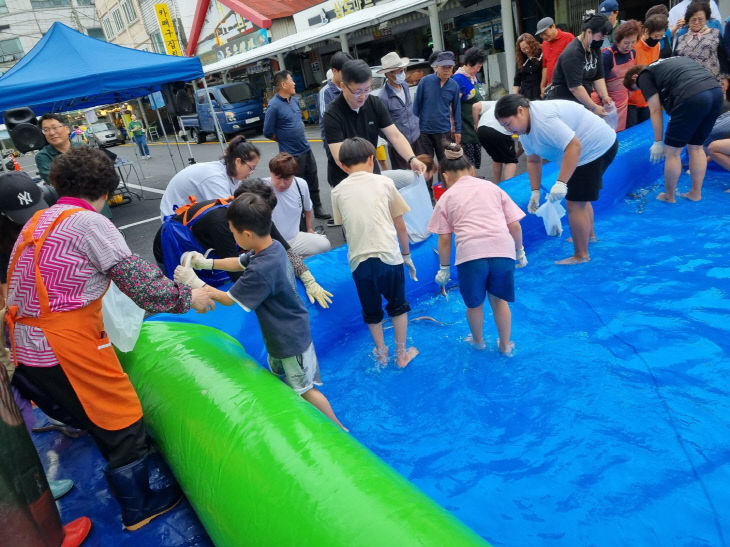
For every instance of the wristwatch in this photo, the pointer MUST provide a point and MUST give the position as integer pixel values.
(411, 159)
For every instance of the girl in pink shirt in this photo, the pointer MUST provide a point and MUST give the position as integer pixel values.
(486, 223)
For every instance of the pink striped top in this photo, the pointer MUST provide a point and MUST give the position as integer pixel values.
(73, 262)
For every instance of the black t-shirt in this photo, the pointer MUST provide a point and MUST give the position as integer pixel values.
(575, 67)
(342, 122)
(4, 263)
(675, 79)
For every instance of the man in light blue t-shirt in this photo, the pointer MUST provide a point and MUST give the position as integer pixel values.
(581, 142)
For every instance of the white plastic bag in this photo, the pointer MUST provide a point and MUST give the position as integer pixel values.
(551, 212)
(611, 116)
(417, 198)
(122, 318)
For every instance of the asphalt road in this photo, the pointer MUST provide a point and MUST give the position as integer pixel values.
(139, 219)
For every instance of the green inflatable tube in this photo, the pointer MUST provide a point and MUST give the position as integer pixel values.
(260, 465)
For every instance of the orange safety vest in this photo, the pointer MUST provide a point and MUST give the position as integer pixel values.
(80, 343)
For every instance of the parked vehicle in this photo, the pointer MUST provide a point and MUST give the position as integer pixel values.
(238, 106)
(103, 134)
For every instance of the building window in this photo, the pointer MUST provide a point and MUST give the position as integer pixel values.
(10, 50)
(84, 2)
(45, 4)
(118, 23)
(3, 7)
(108, 30)
(96, 33)
(129, 11)
(157, 42)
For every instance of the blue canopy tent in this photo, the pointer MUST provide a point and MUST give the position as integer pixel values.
(67, 70)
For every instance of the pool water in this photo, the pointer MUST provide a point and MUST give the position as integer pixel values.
(610, 424)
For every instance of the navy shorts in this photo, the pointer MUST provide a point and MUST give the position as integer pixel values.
(587, 180)
(375, 279)
(495, 276)
(692, 120)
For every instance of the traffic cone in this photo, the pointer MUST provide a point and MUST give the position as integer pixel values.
(16, 165)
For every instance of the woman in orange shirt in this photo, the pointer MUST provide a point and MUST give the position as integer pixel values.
(647, 51)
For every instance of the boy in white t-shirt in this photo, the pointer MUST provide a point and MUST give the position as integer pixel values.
(486, 224)
(371, 211)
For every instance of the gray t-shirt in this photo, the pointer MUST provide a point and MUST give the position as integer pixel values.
(268, 287)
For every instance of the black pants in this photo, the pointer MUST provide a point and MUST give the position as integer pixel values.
(636, 114)
(52, 392)
(434, 144)
(308, 171)
(397, 162)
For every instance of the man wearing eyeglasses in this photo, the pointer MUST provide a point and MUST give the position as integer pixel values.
(57, 134)
(356, 114)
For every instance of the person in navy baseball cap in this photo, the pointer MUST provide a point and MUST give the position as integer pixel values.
(609, 9)
(20, 197)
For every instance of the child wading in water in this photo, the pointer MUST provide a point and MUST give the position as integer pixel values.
(267, 286)
(371, 211)
(486, 223)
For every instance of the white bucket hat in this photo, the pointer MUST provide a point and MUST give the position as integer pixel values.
(392, 61)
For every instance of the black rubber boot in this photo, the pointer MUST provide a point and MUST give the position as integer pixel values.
(132, 488)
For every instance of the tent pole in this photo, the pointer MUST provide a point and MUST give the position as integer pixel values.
(164, 132)
(191, 158)
(219, 131)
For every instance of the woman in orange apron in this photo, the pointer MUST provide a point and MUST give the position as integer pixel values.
(617, 60)
(59, 270)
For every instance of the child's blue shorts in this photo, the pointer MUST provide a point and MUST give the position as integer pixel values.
(375, 279)
(495, 276)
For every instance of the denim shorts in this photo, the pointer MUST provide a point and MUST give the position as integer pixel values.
(495, 276)
(300, 372)
(374, 279)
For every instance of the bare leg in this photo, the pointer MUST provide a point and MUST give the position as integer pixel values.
(580, 219)
(720, 153)
(592, 238)
(509, 170)
(381, 350)
(320, 402)
(496, 172)
(503, 320)
(697, 170)
(403, 356)
(475, 318)
(672, 170)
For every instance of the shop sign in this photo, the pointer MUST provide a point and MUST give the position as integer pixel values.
(167, 29)
(330, 10)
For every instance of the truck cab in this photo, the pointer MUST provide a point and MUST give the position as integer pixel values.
(238, 106)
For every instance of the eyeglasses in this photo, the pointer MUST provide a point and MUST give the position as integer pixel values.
(359, 92)
(251, 167)
(701, 19)
(52, 129)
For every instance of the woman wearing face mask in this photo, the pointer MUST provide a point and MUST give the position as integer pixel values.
(579, 68)
(471, 92)
(617, 59)
(702, 43)
(648, 50)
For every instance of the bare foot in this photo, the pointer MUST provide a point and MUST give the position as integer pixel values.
(666, 198)
(573, 260)
(405, 356)
(507, 349)
(691, 197)
(381, 355)
(592, 239)
(476, 345)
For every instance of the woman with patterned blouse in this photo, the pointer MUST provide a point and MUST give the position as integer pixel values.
(60, 268)
(702, 43)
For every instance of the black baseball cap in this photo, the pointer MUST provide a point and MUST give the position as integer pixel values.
(20, 197)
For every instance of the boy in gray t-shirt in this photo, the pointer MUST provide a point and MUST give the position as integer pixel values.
(267, 286)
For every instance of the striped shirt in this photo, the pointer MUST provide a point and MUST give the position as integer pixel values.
(73, 261)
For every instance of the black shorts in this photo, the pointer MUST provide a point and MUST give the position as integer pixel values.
(587, 180)
(692, 120)
(500, 147)
(375, 279)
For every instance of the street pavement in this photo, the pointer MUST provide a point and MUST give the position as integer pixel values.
(139, 219)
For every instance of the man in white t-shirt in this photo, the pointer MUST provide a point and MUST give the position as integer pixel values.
(498, 142)
(566, 133)
(293, 205)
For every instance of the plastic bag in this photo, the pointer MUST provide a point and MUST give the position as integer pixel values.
(551, 212)
(611, 116)
(418, 199)
(122, 318)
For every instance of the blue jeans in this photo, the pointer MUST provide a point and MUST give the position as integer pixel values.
(142, 144)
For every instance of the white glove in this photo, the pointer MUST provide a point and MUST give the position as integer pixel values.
(656, 152)
(187, 276)
(193, 259)
(443, 275)
(521, 258)
(558, 191)
(315, 290)
(408, 261)
(534, 204)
